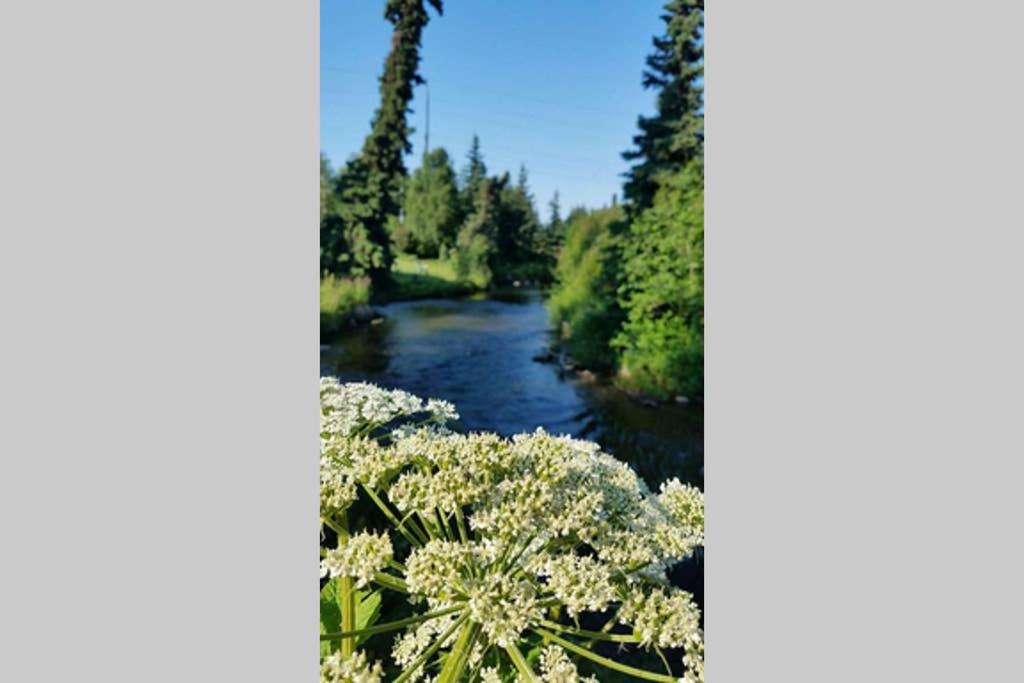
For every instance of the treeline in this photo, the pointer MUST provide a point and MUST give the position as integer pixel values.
(629, 293)
(486, 227)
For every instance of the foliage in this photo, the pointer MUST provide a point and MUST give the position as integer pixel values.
(356, 239)
(516, 226)
(432, 208)
(583, 304)
(473, 176)
(475, 246)
(327, 199)
(425, 279)
(673, 137)
(661, 344)
(340, 300)
(496, 547)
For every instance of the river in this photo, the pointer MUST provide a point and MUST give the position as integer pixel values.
(479, 354)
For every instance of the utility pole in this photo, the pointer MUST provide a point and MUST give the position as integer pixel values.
(426, 136)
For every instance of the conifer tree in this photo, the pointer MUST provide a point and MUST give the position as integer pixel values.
(473, 177)
(475, 245)
(370, 186)
(673, 137)
(555, 214)
(432, 211)
(517, 221)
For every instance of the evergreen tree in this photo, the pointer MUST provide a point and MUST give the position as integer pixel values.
(517, 221)
(369, 188)
(473, 177)
(673, 137)
(432, 209)
(522, 183)
(554, 214)
(475, 245)
(326, 186)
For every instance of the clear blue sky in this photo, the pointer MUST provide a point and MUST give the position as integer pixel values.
(552, 84)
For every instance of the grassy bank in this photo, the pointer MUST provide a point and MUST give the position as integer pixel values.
(343, 302)
(425, 279)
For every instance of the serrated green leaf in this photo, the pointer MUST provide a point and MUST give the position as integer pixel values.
(367, 613)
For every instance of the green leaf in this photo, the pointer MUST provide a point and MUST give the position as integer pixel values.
(367, 613)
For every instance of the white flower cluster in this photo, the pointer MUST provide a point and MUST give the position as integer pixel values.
(408, 647)
(556, 667)
(437, 569)
(504, 606)
(500, 530)
(346, 409)
(360, 557)
(354, 669)
(666, 618)
(693, 658)
(580, 583)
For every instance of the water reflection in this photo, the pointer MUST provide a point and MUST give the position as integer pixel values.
(478, 353)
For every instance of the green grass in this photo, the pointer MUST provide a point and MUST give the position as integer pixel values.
(340, 298)
(416, 278)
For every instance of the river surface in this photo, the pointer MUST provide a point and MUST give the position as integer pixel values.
(479, 354)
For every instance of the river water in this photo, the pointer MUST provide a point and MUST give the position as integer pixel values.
(479, 354)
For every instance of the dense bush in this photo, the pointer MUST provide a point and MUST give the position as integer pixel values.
(583, 302)
(661, 344)
(475, 557)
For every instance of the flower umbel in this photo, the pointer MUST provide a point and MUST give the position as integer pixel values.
(495, 541)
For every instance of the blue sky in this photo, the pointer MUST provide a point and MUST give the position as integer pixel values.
(552, 84)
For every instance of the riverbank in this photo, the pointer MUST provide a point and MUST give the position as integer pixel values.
(620, 380)
(414, 278)
(348, 303)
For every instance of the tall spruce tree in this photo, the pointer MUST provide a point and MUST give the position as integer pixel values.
(369, 187)
(673, 137)
(555, 214)
(516, 221)
(473, 177)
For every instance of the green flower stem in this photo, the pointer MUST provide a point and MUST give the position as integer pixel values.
(443, 521)
(391, 625)
(461, 522)
(411, 520)
(518, 555)
(604, 661)
(517, 658)
(429, 652)
(332, 526)
(475, 672)
(391, 516)
(428, 526)
(455, 664)
(668, 669)
(593, 635)
(348, 596)
(392, 582)
(608, 625)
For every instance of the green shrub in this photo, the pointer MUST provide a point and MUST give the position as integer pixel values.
(340, 298)
(583, 304)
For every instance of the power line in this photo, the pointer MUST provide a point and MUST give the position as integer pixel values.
(494, 91)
